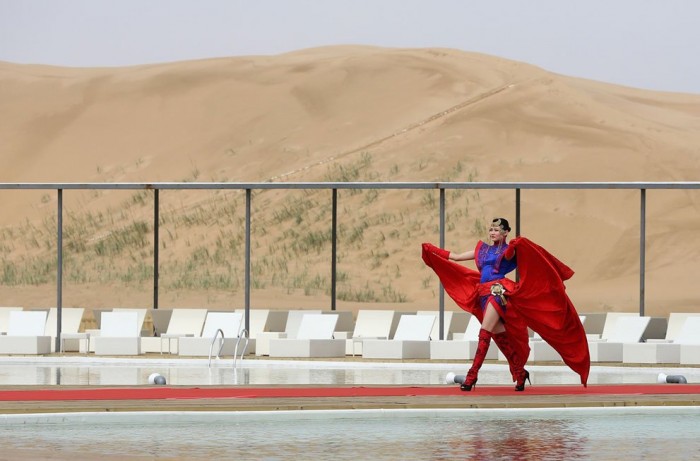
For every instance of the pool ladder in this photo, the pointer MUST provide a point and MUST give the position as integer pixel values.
(243, 334)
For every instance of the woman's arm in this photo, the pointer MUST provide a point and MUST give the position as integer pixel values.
(466, 256)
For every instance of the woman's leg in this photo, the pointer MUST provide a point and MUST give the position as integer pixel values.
(499, 336)
(489, 323)
(492, 320)
(492, 327)
(515, 363)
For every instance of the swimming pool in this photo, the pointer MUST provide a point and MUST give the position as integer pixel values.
(135, 371)
(625, 433)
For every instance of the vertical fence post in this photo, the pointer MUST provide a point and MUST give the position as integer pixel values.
(517, 224)
(517, 212)
(247, 259)
(156, 236)
(442, 245)
(642, 249)
(59, 269)
(334, 247)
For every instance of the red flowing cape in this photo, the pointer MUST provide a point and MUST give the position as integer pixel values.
(538, 300)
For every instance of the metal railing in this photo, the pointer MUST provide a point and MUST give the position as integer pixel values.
(517, 187)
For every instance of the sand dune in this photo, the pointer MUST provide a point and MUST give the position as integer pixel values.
(355, 113)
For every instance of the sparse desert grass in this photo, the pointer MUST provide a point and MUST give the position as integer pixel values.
(202, 238)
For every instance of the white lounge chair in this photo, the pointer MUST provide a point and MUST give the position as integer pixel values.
(411, 341)
(314, 338)
(595, 322)
(26, 334)
(667, 350)
(120, 334)
(370, 324)
(689, 339)
(71, 336)
(141, 313)
(140, 318)
(97, 315)
(453, 322)
(656, 330)
(463, 345)
(291, 329)
(625, 329)
(262, 320)
(160, 319)
(276, 320)
(5, 318)
(183, 323)
(610, 324)
(345, 325)
(230, 325)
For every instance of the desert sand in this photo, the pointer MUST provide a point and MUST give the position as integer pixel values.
(343, 113)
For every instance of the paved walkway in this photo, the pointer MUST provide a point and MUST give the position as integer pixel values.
(458, 400)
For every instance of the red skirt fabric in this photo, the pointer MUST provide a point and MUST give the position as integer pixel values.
(538, 300)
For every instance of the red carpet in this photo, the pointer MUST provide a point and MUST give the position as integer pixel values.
(165, 392)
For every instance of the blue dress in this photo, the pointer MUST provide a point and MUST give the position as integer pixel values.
(493, 267)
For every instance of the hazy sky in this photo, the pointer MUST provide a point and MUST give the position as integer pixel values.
(650, 44)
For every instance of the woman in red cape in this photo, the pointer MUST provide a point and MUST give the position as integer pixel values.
(506, 308)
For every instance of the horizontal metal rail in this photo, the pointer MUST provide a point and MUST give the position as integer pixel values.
(248, 187)
(355, 185)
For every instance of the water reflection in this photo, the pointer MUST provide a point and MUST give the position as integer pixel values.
(308, 373)
(613, 433)
(518, 438)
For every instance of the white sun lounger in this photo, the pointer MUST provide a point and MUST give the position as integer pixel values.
(667, 350)
(97, 315)
(291, 329)
(71, 336)
(610, 325)
(314, 338)
(625, 329)
(183, 323)
(5, 318)
(160, 319)
(411, 340)
(141, 313)
(26, 334)
(463, 345)
(370, 324)
(262, 320)
(453, 322)
(345, 325)
(689, 339)
(119, 334)
(140, 318)
(230, 325)
(594, 324)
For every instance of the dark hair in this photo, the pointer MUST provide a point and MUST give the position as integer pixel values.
(502, 223)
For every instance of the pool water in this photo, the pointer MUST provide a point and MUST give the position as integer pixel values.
(624, 433)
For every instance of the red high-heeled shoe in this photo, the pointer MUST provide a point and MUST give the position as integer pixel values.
(468, 386)
(520, 384)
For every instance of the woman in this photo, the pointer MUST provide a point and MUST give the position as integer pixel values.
(505, 308)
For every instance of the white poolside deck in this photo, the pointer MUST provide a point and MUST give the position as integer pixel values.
(96, 371)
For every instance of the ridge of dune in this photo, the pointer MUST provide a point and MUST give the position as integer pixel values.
(391, 115)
